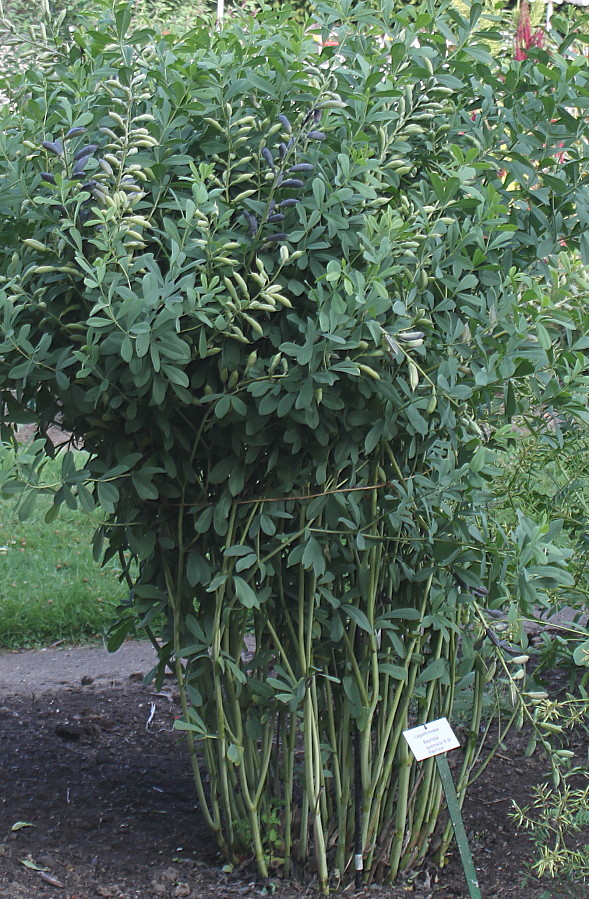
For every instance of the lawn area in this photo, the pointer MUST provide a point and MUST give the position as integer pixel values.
(50, 586)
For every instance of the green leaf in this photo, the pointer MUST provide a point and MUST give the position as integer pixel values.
(358, 616)
(244, 593)
(436, 670)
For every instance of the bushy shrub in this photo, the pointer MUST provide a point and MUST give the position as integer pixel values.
(284, 300)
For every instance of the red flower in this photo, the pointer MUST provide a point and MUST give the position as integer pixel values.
(524, 39)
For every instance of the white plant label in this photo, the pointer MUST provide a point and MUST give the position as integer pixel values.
(431, 739)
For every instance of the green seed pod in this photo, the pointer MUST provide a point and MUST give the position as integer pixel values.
(244, 195)
(251, 361)
(35, 245)
(241, 284)
(365, 369)
(413, 376)
(231, 288)
(117, 119)
(254, 325)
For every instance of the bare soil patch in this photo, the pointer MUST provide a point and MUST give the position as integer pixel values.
(100, 774)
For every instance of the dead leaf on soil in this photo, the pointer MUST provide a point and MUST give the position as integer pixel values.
(48, 878)
(29, 863)
(20, 824)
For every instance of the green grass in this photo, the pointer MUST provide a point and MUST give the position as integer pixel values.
(50, 587)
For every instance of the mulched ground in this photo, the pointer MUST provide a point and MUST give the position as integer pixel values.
(105, 782)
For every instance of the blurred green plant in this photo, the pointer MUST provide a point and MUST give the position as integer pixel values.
(290, 303)
(50, 586)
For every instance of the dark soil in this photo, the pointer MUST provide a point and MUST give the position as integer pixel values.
(104, 780)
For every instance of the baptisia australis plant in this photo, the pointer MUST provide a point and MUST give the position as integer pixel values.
(285, 301)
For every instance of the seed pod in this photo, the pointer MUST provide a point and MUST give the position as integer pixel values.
(285, 123)
(411, 335)
(74, 132)
(79, 165)
(333, 104)
(316, 135)
(109, 133)
(292, 182)
(117, 119)
(520, 660)
(47, 176)
(241, 284)
(244, 195)
(106, 167)
(282, 150)
(276, 217)
(413, 376)
(268, 157)
(291, 201)
(55, 147)
(88, 150)
(35, 244)
(276, 237)
(254, 325)
(252, 222)
(368, 371)
(302, 167)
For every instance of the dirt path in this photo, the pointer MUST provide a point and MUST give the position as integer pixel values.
(50, 670)
(96, 797)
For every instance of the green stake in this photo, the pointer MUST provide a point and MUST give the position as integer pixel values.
(458, 824)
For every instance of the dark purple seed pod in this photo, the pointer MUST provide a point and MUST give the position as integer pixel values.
(89, 185)
(271, 205)
(282, 150)
(302, 167)
(285, 123)
(276, 217)
(78, 176)
(55, 147)
(47, 176)
(276, 237)
(85, 151)
(80, 164)
(74, 132)
(251, 221)
(292, 201)
(268, 157)
(317, 113)
(292, 182)
(316, 135)
(290, 144)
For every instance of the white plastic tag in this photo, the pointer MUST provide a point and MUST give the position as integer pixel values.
(431, 739)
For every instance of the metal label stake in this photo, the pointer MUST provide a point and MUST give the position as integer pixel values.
(435, 739)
